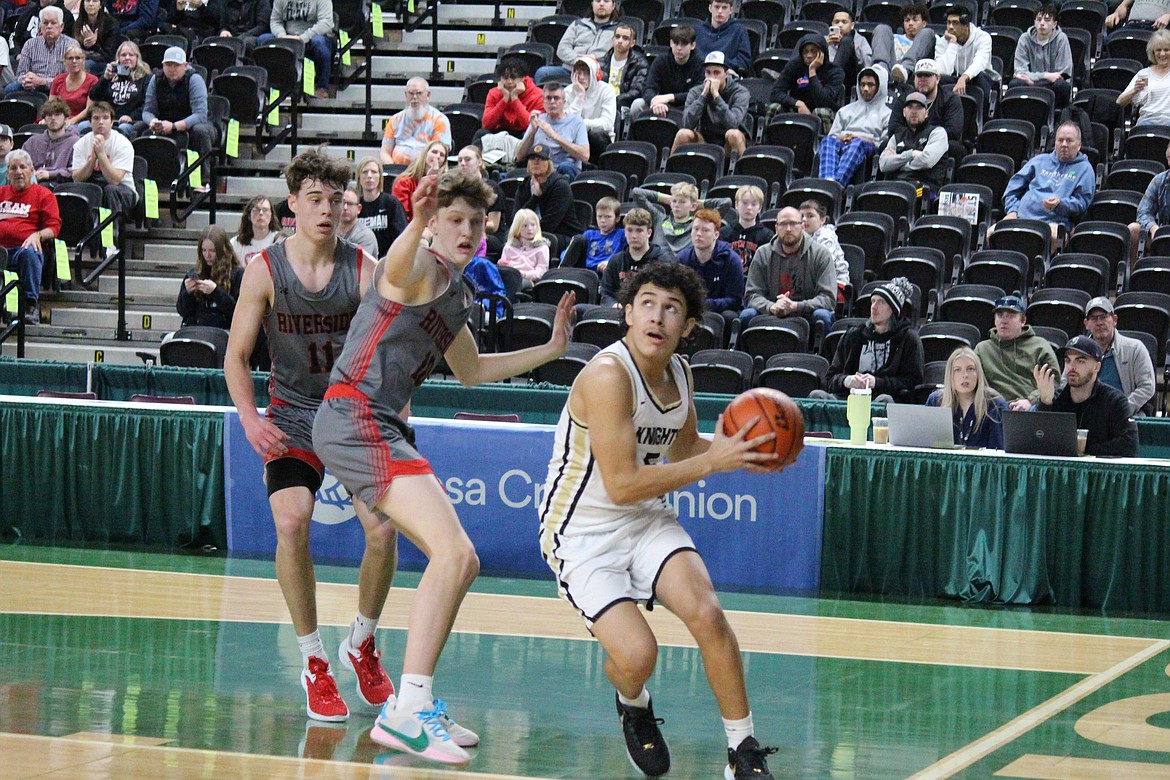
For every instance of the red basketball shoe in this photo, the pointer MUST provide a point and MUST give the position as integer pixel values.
(373, 684)
(323, 700)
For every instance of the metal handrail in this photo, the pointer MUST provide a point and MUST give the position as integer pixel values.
(116, 219)
(197, 198)
(432, 11)
(288, 131)
(16, 326)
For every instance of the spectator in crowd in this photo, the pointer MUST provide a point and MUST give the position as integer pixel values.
(348, 227)
(625, 67)
(1101, 409)
(591, 37)
(670, 79)
(715, 110)
(259, 229)
(608, 239)
(106, 158)
(847, 50)
(511, 102)
(312, 22)
(943, 108)
(1125, 361)
(814, 218)
(546, 191)
(176, 105)
(725, 35)
(746, 233)
(6, 142)
(123, 85)
(791, 276)
(858, 129)
(52, 150)
(43, 56)
(28, 19)
(1153, 211)
(639, 251)
(1149, 90)
(410, 130)
(381, 211)
(882, 354)
(595, 102)
(717, 265)
(1055, 187)
(433, 161)
(193, 19)
(137, 19)
(97, 32)
(246, 20)
(964, 55)
(74, 85)
(28, 218)
(672, 228)
(902, 51)
(809, 83)
(915, 152)
(977, 410)
(1044, 57)
(527, 249)
(470, 159)
(210, 290)
(563, 135)
(1011, 351)
(1137, 15)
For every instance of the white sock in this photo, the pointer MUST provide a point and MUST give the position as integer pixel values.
(311, 645)
(361, 629)
(414, 692)
(642, 701)
(738, 730)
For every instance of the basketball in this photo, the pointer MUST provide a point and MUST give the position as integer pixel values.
(777, 412)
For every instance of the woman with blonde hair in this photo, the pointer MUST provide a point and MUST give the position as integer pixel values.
(1149, 90)
(74, 84)
(123, 86)
(527, 249)
(209, 291)
(433, 160)
(381, 212)
(977, 410)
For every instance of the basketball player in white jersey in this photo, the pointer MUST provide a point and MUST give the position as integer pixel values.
(610, 536)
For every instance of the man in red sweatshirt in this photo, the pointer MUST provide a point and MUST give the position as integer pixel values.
(511, 102)
(29, 220)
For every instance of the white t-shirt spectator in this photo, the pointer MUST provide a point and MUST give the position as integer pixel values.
(118, 147)
(245, 252)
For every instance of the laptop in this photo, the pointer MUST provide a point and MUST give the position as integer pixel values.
(1040, 433)
(921, 426)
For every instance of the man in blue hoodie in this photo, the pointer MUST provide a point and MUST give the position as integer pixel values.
(720, 268)
(1055, 187)
(724, 34)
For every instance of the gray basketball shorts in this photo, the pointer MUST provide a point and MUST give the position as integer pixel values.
(297, 423)
(364, 449)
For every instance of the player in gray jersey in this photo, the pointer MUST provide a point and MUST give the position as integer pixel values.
(416, 313)
(305, 293)
(610, 537)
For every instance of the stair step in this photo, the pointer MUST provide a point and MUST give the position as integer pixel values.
(106, 320)
(140, 285)
(77, 353)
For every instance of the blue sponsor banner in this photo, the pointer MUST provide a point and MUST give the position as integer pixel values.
(755, 532)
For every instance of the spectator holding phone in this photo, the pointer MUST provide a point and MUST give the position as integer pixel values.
(210, 289)
(123, 86)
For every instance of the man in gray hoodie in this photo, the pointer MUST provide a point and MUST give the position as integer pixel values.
(715, 109)
(589, 37)
(312, 22)
(1044, 57)
(858, 129)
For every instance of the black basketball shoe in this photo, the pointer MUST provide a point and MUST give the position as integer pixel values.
(748, 761)
(644, 742)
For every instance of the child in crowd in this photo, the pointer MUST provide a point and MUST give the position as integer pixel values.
(817, 227)
(527, 249)
(748, 234)
(673, 229)
(607, 240)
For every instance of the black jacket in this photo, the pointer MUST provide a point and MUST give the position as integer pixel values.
(554, 205)
(246, 18)
(215, 310)
(903, 368)
(946, 112)
(668, 78)
(633, 77)
(1106, 416)
(623, 264)
(824, 90)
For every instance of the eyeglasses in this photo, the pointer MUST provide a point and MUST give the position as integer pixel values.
(261, 210)
(789, 224)
(1098, 317)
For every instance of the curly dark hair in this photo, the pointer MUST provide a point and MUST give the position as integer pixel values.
(667, 276)
(316, 164)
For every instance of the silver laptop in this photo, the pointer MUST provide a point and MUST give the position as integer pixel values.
(921, 426)
(1040, 433)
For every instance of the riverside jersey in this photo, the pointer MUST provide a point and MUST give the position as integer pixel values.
(393, 347)
(575, 500)
(306, 330)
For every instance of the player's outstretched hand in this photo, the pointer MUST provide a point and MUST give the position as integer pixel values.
(728, 453)
(266, 438)
(563, 324)
(425, 200)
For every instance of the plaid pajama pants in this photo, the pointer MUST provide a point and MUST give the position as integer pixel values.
(840, 160)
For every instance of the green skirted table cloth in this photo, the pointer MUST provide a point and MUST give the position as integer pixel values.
(995, 528)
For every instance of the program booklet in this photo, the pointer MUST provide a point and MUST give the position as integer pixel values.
(960, 204)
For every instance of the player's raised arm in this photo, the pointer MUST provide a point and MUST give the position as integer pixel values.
(407, 259)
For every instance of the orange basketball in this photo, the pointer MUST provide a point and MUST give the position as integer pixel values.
(777, 412)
